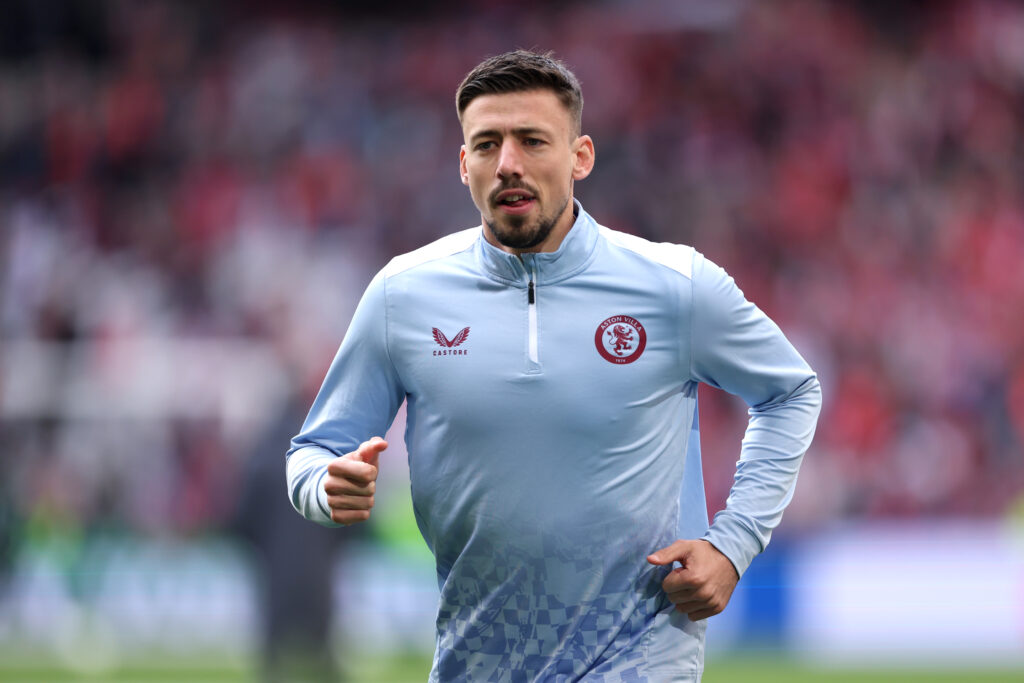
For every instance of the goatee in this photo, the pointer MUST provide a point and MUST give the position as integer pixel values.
(522, 237)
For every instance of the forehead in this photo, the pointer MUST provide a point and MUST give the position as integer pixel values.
(536, 109)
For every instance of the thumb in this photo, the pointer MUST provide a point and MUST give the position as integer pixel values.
(669, 554)
(369, 451)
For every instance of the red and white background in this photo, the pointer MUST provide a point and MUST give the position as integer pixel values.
(192, 198)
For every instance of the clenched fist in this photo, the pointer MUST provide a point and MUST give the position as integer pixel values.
(351, 482)
(702, 586)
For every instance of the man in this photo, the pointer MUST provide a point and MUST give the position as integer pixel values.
(551, 368)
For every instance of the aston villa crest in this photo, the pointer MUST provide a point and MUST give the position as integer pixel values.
(620, 339)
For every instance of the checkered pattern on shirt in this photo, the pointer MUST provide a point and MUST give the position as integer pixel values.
(565, 616)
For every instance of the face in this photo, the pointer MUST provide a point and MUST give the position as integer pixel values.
(520, 159)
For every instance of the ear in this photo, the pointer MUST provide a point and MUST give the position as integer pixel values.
(463, 172)
(583, 157)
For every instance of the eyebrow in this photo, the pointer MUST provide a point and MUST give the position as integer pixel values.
(519, 132)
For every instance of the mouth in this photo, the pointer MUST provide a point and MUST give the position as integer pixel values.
(515, 201)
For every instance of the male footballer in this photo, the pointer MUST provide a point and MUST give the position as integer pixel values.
(551, 367)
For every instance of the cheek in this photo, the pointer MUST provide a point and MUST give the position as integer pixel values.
(560, 178)
(475, 184)
(477, 187)
(478, 173)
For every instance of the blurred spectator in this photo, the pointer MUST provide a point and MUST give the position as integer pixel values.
(179, 180)
(294, 560)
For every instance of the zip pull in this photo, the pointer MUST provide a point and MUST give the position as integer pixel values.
(531, 298)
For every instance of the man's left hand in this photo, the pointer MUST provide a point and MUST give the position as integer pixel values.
(701, 588)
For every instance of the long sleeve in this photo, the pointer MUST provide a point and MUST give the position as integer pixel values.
(736, 347)
(359, 399)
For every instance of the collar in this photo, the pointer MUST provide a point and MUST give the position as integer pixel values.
(573, 255)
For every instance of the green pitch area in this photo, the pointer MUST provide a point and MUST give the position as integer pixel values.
(414, 668)
(778, 670)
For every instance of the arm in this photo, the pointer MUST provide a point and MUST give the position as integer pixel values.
(358, 400)
(736, 347)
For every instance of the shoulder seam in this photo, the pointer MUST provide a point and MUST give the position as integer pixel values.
(677, 257)
(448, 245)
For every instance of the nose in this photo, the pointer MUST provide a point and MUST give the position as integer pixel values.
(510, 161)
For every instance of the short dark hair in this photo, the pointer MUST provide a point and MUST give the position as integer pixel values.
(520, 71)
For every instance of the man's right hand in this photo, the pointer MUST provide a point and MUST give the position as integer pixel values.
(351, 482)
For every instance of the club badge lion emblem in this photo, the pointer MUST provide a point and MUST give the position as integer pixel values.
(620, 339)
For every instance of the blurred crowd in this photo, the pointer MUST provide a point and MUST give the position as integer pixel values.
(193, 196)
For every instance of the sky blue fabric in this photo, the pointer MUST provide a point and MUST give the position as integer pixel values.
(544, 470)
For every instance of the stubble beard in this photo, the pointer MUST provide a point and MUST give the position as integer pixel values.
(517, 234)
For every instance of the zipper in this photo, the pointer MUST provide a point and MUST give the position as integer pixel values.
(532, 343)
(531, 301)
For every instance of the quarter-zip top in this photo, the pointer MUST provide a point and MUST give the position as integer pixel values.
(528, 465)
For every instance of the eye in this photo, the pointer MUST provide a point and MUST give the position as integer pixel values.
(533, 142)
(484, 146)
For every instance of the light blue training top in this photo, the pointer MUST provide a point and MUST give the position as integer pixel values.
(553, 441)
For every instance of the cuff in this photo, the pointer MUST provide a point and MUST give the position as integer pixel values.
(321, 498)
(734, 541)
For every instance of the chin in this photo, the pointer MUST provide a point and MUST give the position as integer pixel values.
(522, 238)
